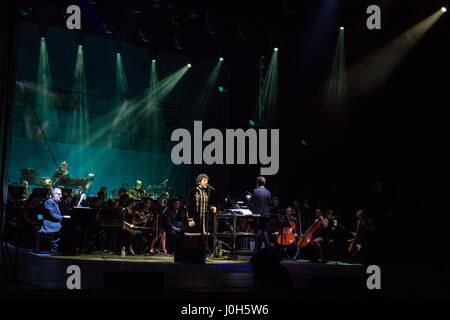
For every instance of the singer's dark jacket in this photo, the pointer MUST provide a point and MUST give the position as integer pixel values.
(52, 217)
(194, 210)
(260, 201)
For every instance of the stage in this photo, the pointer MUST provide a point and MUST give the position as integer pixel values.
(158, 277)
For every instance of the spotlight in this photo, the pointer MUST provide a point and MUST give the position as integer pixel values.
(193, 15)
(108, 29)
(275, 49)
(341, 28)
(153, 60)
(189, 65)
(144, 37)
(26, 11)
(443, 9)
(220, 59)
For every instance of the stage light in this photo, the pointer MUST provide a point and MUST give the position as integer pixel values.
(341, 28)
(275, 49)
(80, 46)
(189, 65)
(153, 60)
(42, 39)
(252, 123)
(221, 59)
(443, 9)
(26, 11)
(220, 89)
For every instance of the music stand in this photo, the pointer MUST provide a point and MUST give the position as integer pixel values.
(16, 192)
(39, 192)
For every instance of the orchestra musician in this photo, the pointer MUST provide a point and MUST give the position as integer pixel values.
(176, 223)
(26, 192)
(362, 244)
(137, 192)
(157, 222)
(104, 192)
(133, 236)
(61, 176)
(319, 235)
(259, 202)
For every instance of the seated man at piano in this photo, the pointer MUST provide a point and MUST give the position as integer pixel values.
(52, 219)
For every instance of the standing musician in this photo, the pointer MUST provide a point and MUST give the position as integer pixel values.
(26, 192)
(259, 202)
(61, 176)
(137, 192)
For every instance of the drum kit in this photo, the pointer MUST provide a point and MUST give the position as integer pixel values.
(33, 178)
(158, 192)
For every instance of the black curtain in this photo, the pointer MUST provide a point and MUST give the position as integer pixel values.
(8, 56)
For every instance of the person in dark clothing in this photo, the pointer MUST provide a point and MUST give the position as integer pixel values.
(363, 243)
(259, 202)
(52, 219)
(320, 235)
(132, 235)
(176, 223)
(199, 206)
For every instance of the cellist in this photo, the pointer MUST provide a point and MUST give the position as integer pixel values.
(319, 235)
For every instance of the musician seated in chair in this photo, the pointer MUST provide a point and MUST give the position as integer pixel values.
(176, 223)
(363, 237)
(52, 219)
(133, 236)
(320, 234)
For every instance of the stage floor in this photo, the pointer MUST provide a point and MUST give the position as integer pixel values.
(159, 277)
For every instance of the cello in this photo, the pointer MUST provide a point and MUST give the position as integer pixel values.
(287, 237)
(307, 238)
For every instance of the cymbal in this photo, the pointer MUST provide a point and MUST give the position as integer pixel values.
(29, 171)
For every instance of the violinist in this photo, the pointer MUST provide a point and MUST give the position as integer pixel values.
(157, 222)
(133, 236)
(319, 235)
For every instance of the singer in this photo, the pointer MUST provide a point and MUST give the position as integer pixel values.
(199, 206)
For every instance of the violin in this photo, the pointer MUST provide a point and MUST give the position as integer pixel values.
(307, 238)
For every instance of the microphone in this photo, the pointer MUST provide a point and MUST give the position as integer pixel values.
(211, 187)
